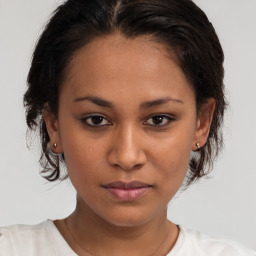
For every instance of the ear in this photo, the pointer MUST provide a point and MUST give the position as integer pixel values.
(52, 127)
(204, 120)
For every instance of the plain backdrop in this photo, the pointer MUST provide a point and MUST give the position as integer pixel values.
(224, 205)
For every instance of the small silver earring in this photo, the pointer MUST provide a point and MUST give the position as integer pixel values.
(198, 145)
(55, 145)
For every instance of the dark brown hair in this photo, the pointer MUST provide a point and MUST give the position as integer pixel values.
(178, 24)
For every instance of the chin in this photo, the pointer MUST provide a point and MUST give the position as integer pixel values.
(128, 217)
(127, 221)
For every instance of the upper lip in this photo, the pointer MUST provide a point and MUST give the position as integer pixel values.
(126, 185)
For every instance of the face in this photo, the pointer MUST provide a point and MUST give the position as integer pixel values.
(127, 123)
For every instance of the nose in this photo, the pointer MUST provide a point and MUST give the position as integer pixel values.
(127, 150)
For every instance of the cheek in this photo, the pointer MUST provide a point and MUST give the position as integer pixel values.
(171, 158)
(83, 158)
(173, 162)
(173, 169)
(175, 148)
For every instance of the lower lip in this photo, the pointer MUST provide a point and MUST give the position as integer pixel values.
(128, 194)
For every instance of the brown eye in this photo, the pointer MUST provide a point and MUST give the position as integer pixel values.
(159, 120)
(96, 121)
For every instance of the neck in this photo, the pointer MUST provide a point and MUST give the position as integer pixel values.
(89, 230)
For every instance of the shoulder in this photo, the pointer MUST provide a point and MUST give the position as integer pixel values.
(192, 242)
(24, 239)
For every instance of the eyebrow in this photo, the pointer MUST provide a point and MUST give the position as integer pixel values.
(96, 100)
(147, 104)
(157, 102)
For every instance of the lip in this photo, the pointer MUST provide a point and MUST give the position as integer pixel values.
(127, 191)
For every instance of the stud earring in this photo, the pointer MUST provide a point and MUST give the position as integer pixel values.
(198, 145)
(54, 145)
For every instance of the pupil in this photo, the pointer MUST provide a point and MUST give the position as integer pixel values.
(158, 119)
(97, 119)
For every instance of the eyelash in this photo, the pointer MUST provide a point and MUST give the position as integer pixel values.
(164, 116)
(85, 121)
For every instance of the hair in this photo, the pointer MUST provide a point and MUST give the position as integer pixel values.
(178, 24)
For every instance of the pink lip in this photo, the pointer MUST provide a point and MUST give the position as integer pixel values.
(127, 191)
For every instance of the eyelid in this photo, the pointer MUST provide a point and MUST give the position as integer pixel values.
(168, 116)
(86, 117)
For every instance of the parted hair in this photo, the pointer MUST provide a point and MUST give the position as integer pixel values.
(180, 25)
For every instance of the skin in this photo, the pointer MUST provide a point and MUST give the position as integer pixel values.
(129, 146)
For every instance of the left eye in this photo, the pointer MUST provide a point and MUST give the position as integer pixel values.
(159, 120)
(96, 121)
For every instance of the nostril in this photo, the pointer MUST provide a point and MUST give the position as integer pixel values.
(128, 167)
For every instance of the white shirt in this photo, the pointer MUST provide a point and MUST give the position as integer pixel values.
(44, 239)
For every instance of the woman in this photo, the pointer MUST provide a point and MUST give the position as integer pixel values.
(123, 92)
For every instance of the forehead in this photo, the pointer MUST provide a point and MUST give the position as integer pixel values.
(118, 64)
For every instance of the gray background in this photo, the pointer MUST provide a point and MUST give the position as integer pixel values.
(224, 205)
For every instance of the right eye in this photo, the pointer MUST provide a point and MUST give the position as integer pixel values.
(96, 121)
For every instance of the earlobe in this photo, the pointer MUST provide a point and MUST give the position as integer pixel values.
(203, 125)
(52, 127)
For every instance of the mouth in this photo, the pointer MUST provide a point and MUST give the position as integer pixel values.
(127, 191)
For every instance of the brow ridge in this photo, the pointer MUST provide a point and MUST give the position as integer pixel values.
(157, 102)
(147, 104)
(96, 100)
